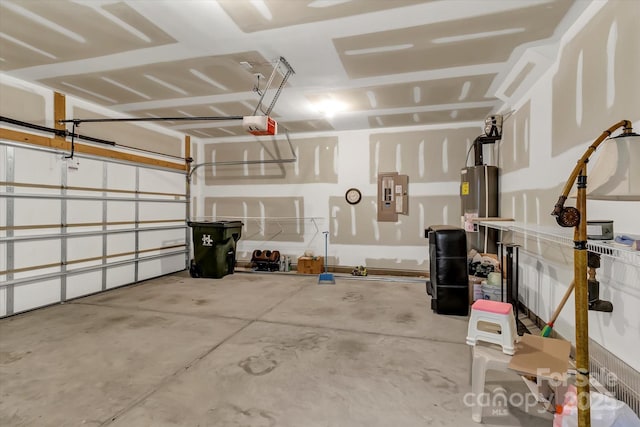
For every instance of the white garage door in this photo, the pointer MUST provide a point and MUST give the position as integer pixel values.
(73, 227)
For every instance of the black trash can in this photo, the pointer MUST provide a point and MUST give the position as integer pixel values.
(214, 248)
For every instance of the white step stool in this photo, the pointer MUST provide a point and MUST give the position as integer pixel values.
(484, 359)
(493, 313)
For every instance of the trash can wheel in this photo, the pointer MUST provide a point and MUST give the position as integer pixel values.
(194, 270)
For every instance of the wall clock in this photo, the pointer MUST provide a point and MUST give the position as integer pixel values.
(353, 196)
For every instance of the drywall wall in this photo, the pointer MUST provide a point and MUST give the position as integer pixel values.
(590, 87)
(287, 206)
(22, 103)
(316, 162)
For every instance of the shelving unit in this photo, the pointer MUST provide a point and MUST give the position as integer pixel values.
(293, 234)
(281, 222)
(564, 237)
(602, 363)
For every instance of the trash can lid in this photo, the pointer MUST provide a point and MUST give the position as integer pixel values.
(215, 224)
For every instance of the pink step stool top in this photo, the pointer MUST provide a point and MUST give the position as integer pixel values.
(490, 306)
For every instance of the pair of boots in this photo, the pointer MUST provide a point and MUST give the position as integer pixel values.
(359, 271)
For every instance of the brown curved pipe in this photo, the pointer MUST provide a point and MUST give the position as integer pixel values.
(626, 124)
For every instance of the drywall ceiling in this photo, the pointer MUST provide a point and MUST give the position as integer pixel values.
(380, 63)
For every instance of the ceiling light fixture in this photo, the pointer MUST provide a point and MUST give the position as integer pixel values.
(208, 79)
(379, 49)
(330, 107)
(474, 36)
(262, 8)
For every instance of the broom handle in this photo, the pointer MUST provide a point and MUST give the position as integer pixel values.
(326, 235)
(562, 303)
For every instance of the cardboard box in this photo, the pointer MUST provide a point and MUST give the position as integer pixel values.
(310, 265)
(473, 280)
(544, 363)
(539, 356)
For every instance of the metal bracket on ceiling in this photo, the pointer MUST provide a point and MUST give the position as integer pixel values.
(281, 62)
(276, 70)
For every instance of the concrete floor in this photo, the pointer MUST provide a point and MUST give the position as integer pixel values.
(246, 350)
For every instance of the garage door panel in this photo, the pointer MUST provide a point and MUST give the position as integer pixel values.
(121, 211)
(36, 294)
(154, 180)
(84, 211)
(30, 212)
(121, 243)
(84, 247)
(33, 253)
(121, 177)
(84, 284)
(161, 238)
(85, 173)
(149, 269)
(120, 276)
(161, 210)
(49, 167)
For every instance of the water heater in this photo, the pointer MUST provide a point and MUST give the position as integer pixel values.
(479, 196)
(479, 191)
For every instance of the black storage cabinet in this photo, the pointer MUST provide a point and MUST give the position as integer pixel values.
(448, 282)
(214, 248)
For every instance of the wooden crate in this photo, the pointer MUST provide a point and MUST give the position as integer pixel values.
(309, 265)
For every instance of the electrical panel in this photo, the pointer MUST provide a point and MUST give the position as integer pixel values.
(393, 199)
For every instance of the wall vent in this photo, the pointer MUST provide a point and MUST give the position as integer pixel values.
(620, 379)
